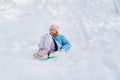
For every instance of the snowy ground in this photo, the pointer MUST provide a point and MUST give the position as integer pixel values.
(92, 26)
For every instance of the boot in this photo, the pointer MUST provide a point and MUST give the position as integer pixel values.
(41, 53)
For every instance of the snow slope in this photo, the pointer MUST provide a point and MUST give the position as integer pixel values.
(92, 26)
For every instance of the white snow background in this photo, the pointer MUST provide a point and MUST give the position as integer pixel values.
(92, 27)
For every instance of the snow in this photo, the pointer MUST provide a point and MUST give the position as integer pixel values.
(92, 27)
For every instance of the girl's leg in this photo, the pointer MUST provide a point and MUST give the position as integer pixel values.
(41, 43)
(48, 41)
(44, 46)
(45, 42)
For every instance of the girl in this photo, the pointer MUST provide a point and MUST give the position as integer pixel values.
(52, 42)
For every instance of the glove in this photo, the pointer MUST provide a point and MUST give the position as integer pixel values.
(62, 51)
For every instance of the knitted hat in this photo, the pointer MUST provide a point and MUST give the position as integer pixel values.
(54, 26)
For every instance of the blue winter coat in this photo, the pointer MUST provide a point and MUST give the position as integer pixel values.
(61, 42)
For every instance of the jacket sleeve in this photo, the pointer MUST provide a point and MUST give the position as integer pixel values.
(65, 43)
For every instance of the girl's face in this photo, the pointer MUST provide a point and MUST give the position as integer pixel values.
(52, 31)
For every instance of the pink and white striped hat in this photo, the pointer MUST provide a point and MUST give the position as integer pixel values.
(54, 26)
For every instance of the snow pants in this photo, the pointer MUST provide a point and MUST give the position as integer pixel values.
(46, 46)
